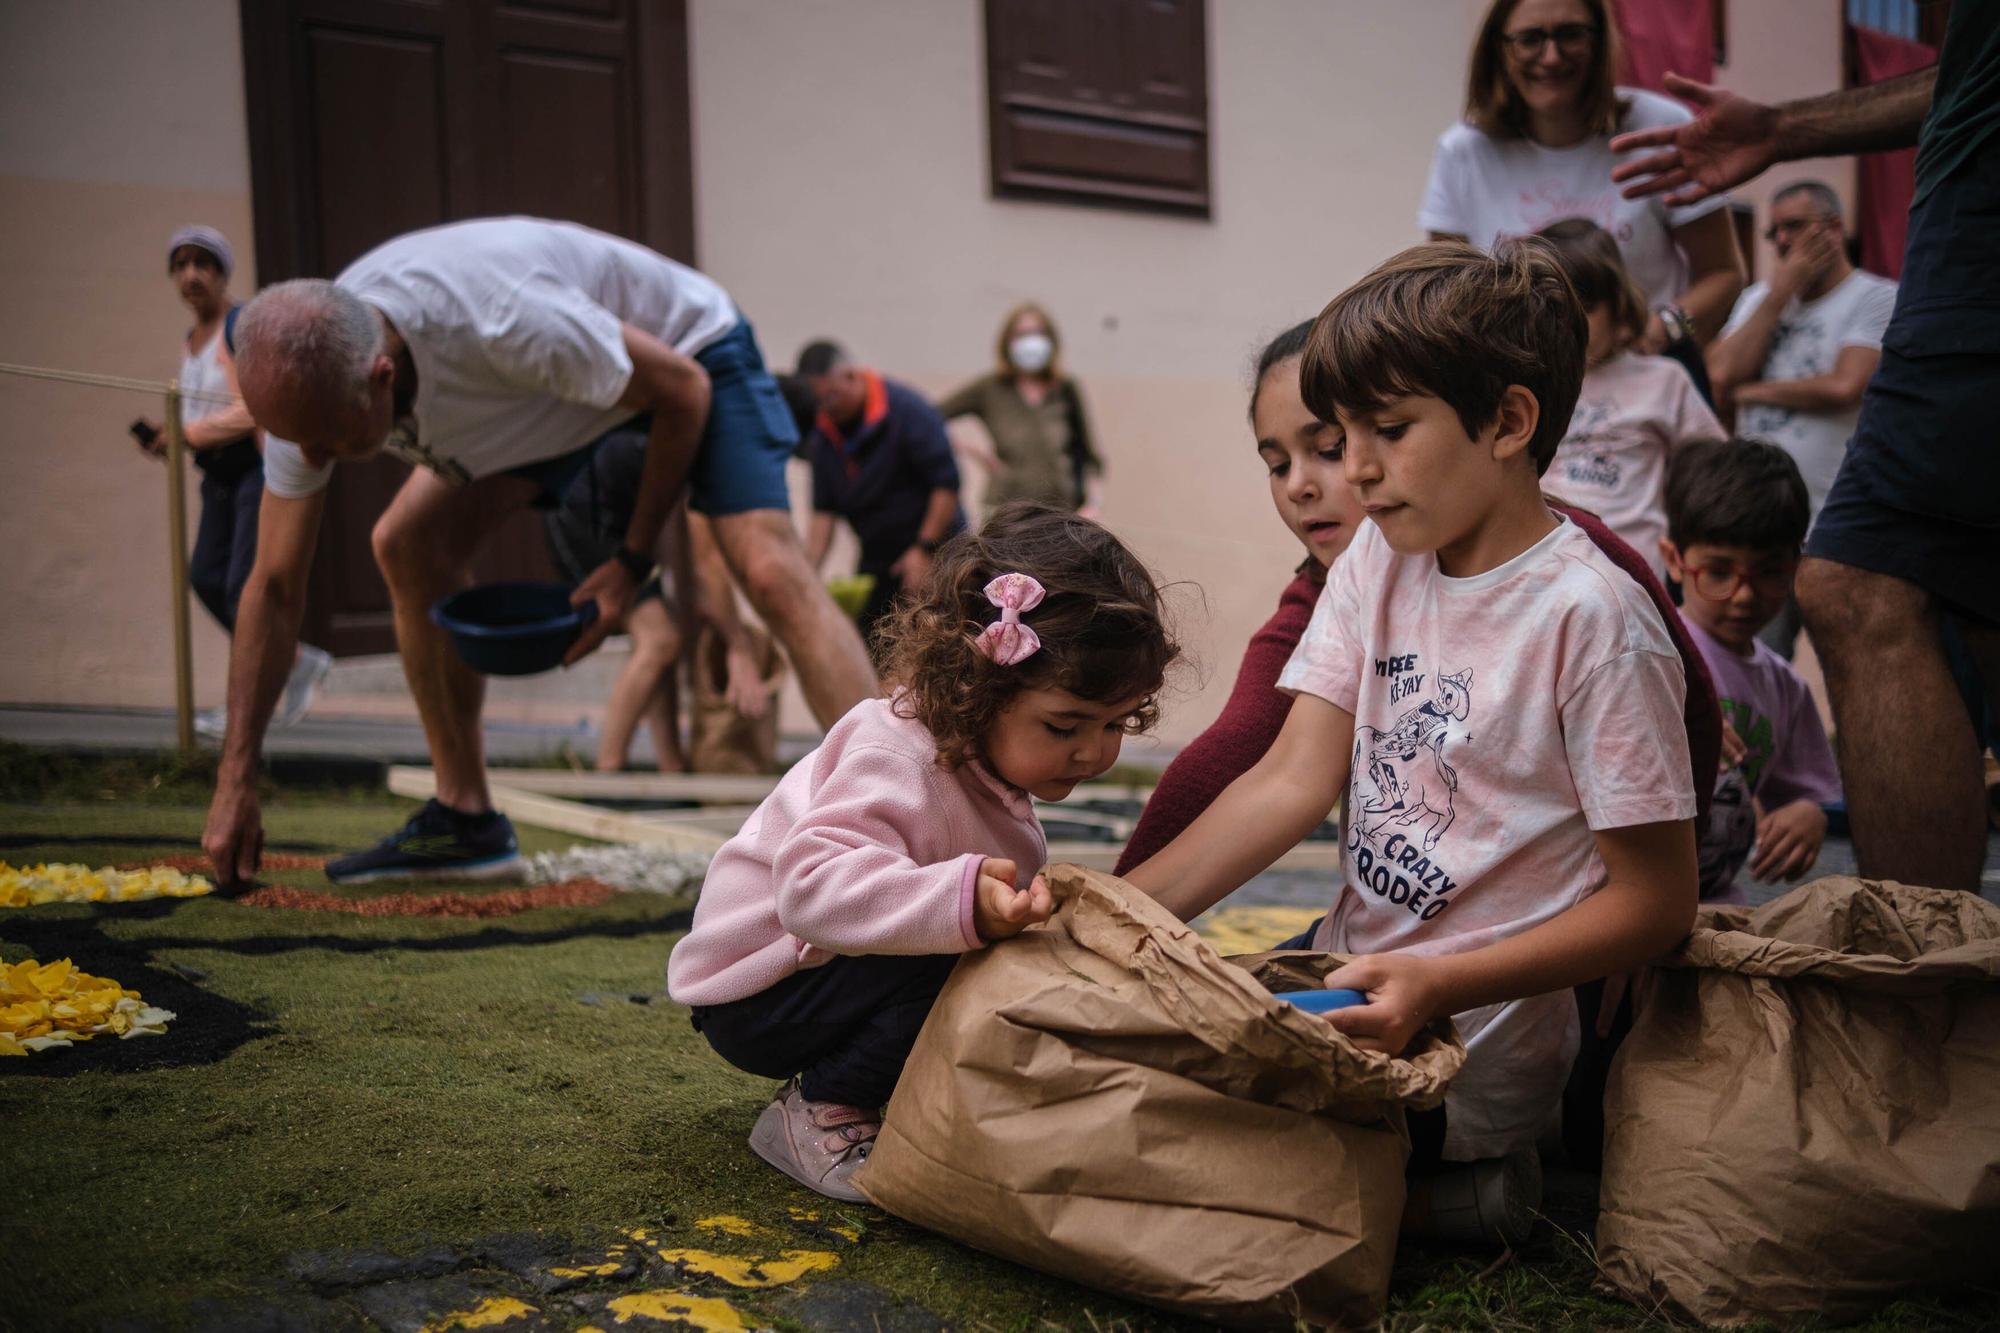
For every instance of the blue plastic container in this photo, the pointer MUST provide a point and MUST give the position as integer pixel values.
(512, 629)
(1323, 1001)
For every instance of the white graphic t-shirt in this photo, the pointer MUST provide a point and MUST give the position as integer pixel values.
(1807, 341)
(1498, 720)
(1633, 411)
(514, 326)
(1487, 189)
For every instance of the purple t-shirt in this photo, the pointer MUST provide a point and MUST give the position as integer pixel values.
(1767, 703)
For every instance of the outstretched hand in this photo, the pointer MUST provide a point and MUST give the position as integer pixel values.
(613, 588)
(1000, 910)
(1730, 140)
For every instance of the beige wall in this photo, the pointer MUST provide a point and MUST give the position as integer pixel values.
(841, 189)
(1781, 49)
(832, 203)
(119, 121)
(835, 203)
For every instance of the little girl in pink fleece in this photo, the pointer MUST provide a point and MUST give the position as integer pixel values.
(827, 926)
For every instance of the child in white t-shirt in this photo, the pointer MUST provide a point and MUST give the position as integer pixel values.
(1632, 411)
(1498, 704)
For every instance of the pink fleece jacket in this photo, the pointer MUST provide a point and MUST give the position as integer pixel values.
(867, 846)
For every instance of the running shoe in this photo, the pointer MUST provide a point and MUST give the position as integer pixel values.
(437, 843)
(309, 668)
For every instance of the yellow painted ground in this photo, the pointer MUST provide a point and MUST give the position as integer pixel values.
(1233, 930)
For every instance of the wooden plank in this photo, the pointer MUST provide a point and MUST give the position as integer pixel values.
(702, 816)
(1104, 855)
(725, 788)
(707, 829)
(552, 812)
(1120, 826)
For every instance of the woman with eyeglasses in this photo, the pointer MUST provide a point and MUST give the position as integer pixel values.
(1535, 146)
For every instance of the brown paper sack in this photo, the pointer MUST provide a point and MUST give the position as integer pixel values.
(1106, 1099)
(722, 740)
(1806, 1117)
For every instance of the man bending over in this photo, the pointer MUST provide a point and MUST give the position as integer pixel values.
(494, 355)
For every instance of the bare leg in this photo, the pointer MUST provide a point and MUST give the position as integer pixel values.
(655, 646)
(770, 565)
(663, 719)
(1907, 754)
(424, 543)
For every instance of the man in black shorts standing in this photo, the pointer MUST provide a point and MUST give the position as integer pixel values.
(1906, 552)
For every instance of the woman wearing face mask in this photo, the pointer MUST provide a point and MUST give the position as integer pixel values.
(1535, 145)
(1042, 449)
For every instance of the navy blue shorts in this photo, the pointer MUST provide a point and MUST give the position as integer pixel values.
(739, 465)
(1918, 495)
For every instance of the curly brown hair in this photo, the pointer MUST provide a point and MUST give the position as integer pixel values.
(1103, 635)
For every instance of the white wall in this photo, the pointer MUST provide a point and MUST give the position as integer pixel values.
(1780, 50)
(120, 120)
(842, 191)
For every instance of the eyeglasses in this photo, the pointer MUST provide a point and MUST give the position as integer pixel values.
(1571, 39)
(1720, 582)
(1790, 226)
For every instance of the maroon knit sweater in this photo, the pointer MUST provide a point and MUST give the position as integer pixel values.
(1256, 709)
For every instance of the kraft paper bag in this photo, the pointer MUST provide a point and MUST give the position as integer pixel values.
(1106, 1099)
(1805, 1119)
(721, 739)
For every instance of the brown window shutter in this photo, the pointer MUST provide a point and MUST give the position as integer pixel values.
(1100, 101)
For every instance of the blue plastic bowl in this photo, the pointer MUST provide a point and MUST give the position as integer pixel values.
(1323, 1001)
(512, 629)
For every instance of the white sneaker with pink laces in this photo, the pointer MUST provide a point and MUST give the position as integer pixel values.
(819, 1144)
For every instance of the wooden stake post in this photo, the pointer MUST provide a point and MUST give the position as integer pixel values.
(177, 562)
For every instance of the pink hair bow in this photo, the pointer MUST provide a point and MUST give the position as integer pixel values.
(1007, 640)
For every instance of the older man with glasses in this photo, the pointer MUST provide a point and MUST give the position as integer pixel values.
(1798, 350)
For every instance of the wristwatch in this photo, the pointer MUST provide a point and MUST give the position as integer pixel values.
(638, 566)
(929, 545)
(1675, 321)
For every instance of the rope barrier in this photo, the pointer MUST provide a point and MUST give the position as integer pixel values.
(133, 385)
(127, 383)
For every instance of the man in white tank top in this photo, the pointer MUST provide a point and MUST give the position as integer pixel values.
(218, 428)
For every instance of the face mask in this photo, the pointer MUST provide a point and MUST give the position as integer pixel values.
(1030, 352)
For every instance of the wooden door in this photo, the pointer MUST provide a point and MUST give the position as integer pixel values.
(370, 118)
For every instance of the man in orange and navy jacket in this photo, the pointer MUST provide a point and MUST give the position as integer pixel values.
(881, 461)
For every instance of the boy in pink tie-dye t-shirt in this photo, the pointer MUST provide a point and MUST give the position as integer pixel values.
(1498, 704)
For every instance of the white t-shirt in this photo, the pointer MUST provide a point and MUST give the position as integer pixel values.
(513, 324)
(1499, 719)
(204, 388)
(1807, 341)
(1487, 189)
(1634, 410)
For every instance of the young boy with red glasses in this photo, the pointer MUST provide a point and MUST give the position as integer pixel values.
(1737, 512)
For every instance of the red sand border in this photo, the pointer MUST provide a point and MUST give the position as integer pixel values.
(197, 863)
(508, 902)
